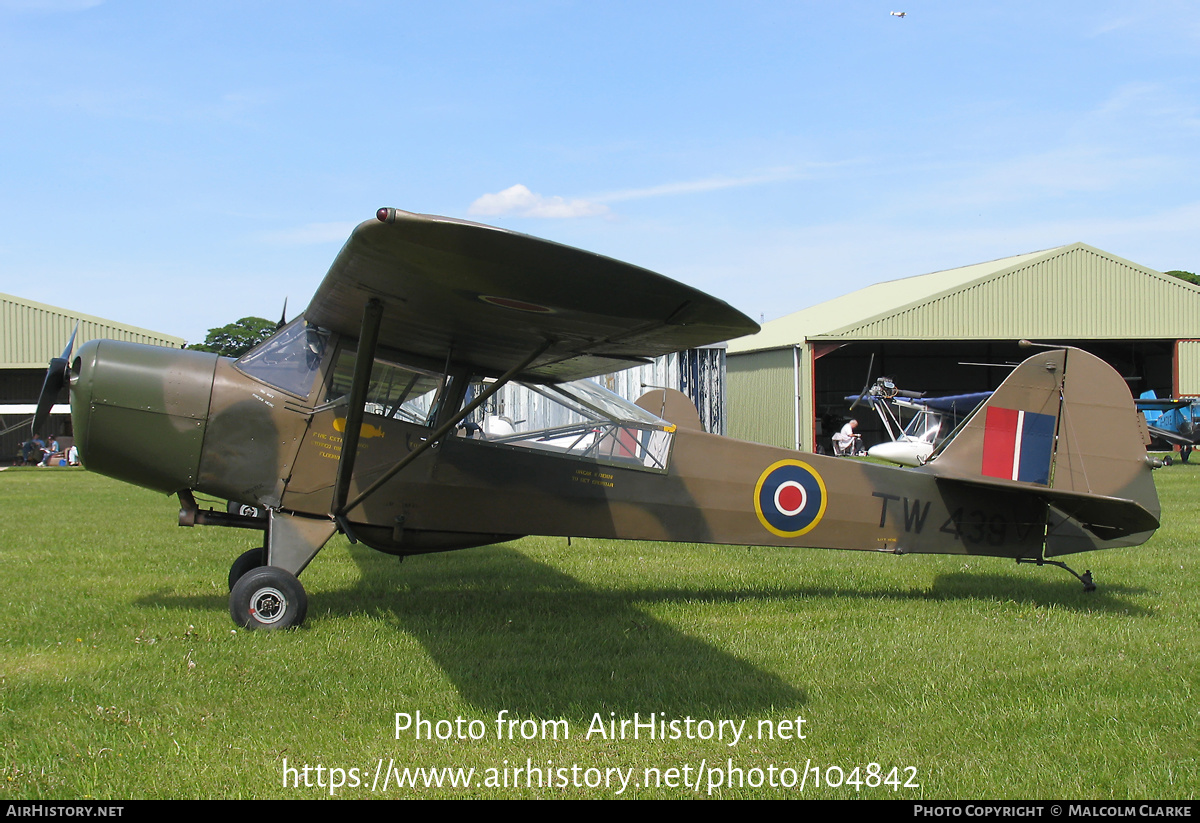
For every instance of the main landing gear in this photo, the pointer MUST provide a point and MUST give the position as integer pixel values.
(249, 561)
(263, 590)
(267, 597)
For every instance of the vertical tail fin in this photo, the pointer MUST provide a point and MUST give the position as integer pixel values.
(1012, 435)
(1064, 421)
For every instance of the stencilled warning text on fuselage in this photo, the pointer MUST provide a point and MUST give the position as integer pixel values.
(594, 478)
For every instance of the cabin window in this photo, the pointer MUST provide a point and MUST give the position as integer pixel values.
(289, 360)
(580, 419)
(397, 392)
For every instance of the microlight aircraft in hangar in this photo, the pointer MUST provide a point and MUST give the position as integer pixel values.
(354, 417)
(933, 418)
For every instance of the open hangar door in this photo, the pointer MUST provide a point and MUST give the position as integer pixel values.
(945, 367)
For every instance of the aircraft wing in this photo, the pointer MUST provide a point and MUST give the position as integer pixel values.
(490, 297)
(961, 402)
(1161, 404)
(1172, 436)
(951, 402)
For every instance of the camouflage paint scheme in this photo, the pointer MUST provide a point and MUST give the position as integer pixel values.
(1054, 462)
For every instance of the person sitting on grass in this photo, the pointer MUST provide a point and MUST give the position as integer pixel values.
(52, 453)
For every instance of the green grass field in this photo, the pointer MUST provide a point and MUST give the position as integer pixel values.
(121, 675)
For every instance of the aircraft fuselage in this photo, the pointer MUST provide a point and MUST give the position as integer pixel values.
(203, 424)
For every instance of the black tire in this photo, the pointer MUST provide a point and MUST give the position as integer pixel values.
(268, 598)
(252, 559)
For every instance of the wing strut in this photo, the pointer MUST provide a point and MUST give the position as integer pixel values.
(341, 511)
(363, 361)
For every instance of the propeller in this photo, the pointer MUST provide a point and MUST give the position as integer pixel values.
(866, 386)
(56, 378)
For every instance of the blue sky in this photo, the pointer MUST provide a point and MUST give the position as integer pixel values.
(177, 166)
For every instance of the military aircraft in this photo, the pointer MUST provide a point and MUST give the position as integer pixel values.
(352, 418)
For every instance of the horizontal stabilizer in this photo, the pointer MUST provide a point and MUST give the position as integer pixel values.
(1104, 516)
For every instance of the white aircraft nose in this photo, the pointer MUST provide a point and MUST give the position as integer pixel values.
(903, 452)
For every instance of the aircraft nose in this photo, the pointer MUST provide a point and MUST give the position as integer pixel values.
(140, 411)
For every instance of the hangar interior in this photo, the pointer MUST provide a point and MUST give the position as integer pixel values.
(957, 367)
(958, 331)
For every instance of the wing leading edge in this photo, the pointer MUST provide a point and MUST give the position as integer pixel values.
(488, 297)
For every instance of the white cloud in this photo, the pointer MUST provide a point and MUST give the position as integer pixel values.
(520, 201)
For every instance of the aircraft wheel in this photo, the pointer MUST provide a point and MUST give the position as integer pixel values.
(252, 559)
(268, 598)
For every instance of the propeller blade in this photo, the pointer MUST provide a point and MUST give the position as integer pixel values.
(66, 355)
(283, 317)
(867, 385)
(52, 386)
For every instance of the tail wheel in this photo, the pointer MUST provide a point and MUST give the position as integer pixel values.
(253, 559)
(268, 598)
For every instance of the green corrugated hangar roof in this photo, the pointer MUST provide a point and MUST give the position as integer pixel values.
(797, 369)
(32, 333)
(1067, 292)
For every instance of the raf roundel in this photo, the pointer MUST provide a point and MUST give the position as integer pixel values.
(789, 498)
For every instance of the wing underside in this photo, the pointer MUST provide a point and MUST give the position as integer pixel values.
(488, 297)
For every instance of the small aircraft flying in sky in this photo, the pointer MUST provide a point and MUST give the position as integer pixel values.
(355, 416)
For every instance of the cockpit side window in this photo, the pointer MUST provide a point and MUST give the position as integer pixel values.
(290, 360)
(396, 391)
(579, 419)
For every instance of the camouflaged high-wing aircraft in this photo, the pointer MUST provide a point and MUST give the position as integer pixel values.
(375, 414)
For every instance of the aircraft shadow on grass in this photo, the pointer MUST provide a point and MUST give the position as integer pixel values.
(958, 586)
(514, 633)
(500, 621)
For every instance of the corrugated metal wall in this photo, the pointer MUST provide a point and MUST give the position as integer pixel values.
(761, 387)
(1077, 294)
(31, 333)
(698, 373)
(1188, 360)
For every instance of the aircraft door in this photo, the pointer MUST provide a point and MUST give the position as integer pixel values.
(400, 408)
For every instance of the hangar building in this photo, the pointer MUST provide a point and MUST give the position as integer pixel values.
(31, 334)
(957, 331)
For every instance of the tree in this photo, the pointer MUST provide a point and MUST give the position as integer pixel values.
(237, 338)
(1186, 275)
